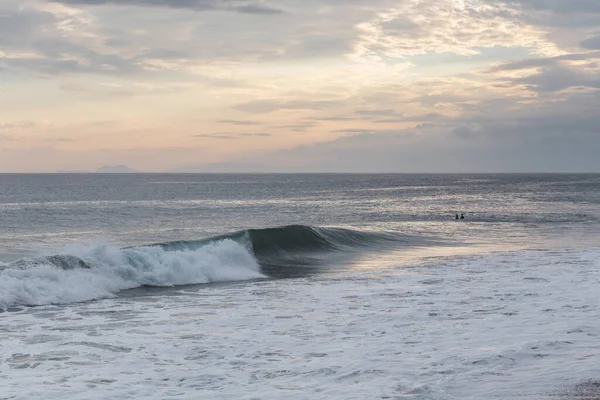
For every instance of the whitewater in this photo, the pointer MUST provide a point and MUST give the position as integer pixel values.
(101, 270)
(353, 287)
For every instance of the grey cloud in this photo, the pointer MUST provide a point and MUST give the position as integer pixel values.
(34, 31)
(299, 127)
(375, 115)
(238, 122)
(378, 113)
(214, 136)
(592, 43)
(20, 26)
(502, 135)
(561, 6)
(384, 116)
(164, 54)
(268, 106)
(33, 40)
(434, 117)
(354, 130)
(389, 120)
(100, 65)
(574, 117)
(553, 73)
(552, 79)
(567, 22)
(402, 24)
(256, 9)
(361, 134)
(113, 43)
(60, 56)
(463, 132)
(317, 45)
(18, 125)
(223, 135)
(196, 5)
(437, 151)
(337, 118)
(543, 61)
(372, 115)
(117, 41)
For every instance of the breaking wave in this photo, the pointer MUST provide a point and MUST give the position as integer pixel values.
(88, 272)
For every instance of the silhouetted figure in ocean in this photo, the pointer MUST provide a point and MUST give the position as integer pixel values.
(462, 216)
(456, 216)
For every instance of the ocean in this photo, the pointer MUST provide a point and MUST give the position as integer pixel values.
(299, 286)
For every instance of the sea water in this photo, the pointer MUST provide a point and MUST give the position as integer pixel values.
(299, 286)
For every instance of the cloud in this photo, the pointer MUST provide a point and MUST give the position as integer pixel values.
(355, 130)
(447, 26)
(591, 43)
(560, 6)
(57, 40)
(47, 41)
(440, 151)
(256, 9)
(77, 36)
(567, 23)
(298, 127)
(239, 122)
(268, 106)
(554, 73)
(543, 61)
(255, 134)
(16, 125)
(214, 136)
(463, 132)
(6, 137)
(223, 135)
(326, 68)
(552, 79)
(379, 113)
(337, 118)
(12, 131)
(499, 135)
(195, 5)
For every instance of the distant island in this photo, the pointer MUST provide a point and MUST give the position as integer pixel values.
(116, 169)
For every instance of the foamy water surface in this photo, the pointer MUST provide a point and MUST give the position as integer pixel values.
(508, 325)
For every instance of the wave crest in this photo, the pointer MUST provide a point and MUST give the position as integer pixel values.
(100, 271)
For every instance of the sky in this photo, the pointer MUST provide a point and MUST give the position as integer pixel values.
(300, 85)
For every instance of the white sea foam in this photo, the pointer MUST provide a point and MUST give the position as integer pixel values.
(112, 269)
(520, 325)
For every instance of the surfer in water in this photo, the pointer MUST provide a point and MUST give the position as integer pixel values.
(456, 216)
(462, 216)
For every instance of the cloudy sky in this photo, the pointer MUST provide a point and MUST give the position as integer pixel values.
(300, 85)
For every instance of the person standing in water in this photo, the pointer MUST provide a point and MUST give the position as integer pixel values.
(456, 216)
(462, 216)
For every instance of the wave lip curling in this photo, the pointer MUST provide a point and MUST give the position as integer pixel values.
(101, 271)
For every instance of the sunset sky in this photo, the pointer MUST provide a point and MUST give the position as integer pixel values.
(300, 85)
